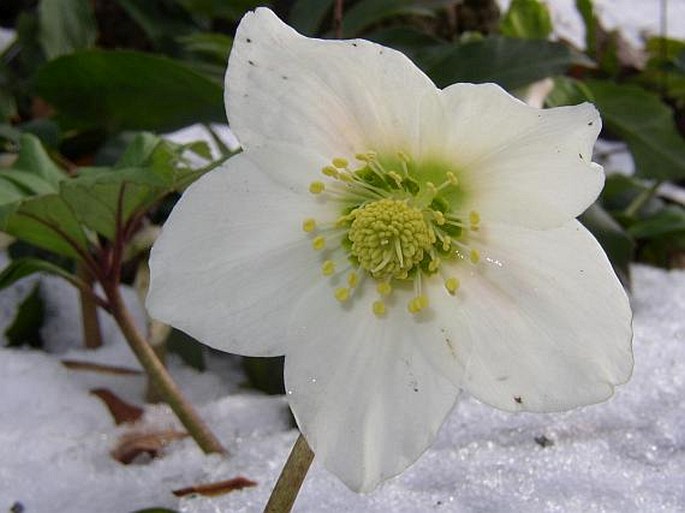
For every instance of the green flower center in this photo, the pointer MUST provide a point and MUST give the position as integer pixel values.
(395, 226)
(389, 238)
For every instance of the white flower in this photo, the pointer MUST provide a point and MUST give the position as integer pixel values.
(397, 243)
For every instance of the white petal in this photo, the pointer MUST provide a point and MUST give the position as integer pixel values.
(337, 97)
(542, 324)
(232, 259)
(520, 165)
(363, 389)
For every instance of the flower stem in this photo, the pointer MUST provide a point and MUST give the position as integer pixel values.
(158, 373)
(292, 476)
(92, 336)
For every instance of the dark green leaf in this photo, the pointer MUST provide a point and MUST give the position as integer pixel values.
(669, 220)
(512, 63)
(527, 19)
(306, 16)
(646, 124)
(29, 183)
(231, 10)
(364, 14)
(45, 221)
(405, 39)
(587, 13)
(265, 374)
(9, 191)
(65, 26)
(617, 244)
(25, 329)
(22, 267)
(213, 45)
(128, 90)
(190, 350)
(139, 151)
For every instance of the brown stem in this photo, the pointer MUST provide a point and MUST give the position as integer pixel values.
(292, 476)
(164, 382)
(338, 19)
(92, 336)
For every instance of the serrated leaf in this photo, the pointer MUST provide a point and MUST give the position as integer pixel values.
(527, 19)
(512, 63)
(119, 90)
(670, 219)
(65, 26)
(100, 197)
(22, 267)
(45, 221)
(25, 328)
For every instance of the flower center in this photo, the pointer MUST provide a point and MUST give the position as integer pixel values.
(395, 226)
(389, 238)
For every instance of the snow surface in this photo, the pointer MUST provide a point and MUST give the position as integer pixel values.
(625, 455)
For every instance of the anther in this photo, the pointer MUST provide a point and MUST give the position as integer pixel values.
(330, 171)
(452, 178)
(308, 225)
(316, 187)
(474, 256)
(418, 303)
(474, 218)
(353, 279)
(340, 162)
(452, 284)
(318, 243)
(378, 308)
(403, 156)
(328, 268)
(342, 294)
(384, 288)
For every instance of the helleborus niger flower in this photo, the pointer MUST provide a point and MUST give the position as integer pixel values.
(397, 243)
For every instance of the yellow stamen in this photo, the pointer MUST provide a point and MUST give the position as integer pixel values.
(474, 217)
(452, 284)
(378, 308)
(330, 171)
(353, 279)
(452, 178)
(342, 294)
(340, 162)
(308, 225)
(328, 268)
(474, 256)
(318, 243)
(384, 288)
(316, 187)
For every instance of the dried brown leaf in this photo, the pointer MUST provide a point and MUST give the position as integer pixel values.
(218, 488)
(121, 410)
(132, 445)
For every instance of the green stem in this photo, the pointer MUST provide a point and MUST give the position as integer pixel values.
(292, 476)
(158, 373)
(641, 199)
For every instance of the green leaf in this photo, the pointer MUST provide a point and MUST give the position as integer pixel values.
(670, 219)
(139, 151)
(369, 12)
(213, 45)
(190, 350)
(646, 124)
(45, 221)
(25, 328)
(34, 159)
(512, 63)
(618, 245)
(120, 90)
(22, 267)
(587, 13)
(405, 39)
(306, 16)
(100, 197)
(29, 183)
(527, 19)
(10, 192)
(65, 26)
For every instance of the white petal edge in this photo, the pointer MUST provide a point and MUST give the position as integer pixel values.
(232, 259)
(365, 393)
(518, 164)
(334, 97)
(542, 324)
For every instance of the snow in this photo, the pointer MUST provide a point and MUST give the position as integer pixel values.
(626, 455)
